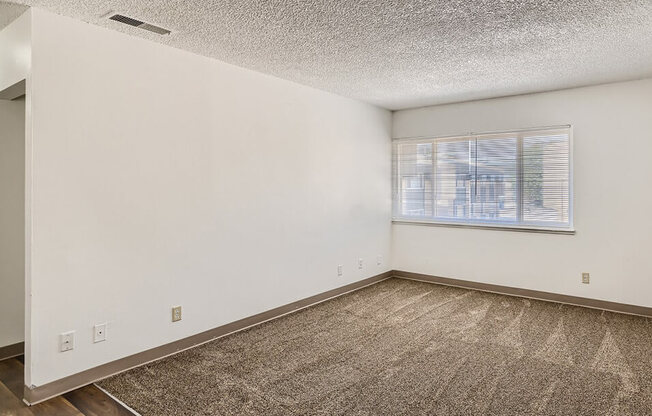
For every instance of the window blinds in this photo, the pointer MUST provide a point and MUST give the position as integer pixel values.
(520, 179)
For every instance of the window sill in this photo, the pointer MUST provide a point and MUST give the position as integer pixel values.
(494, 227)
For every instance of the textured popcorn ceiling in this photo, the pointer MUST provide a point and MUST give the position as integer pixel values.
(9, 12)
(403, 53)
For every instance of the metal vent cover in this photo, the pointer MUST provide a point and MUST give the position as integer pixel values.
(139, 24)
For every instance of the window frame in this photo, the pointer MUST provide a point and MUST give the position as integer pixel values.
(555, 228)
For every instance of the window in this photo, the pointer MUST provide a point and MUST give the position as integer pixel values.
(516, 179)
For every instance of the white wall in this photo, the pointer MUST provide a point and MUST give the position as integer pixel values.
(612, 133)
(12, 222)
(164, 178)
(15, 51)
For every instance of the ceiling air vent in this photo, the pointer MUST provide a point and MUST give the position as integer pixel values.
(139, 24)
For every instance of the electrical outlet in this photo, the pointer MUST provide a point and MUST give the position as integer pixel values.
(99, 333)
(339, 270)
(585, 278)
(176, 313)
(360, 263)
(379, 260)
(67, 341)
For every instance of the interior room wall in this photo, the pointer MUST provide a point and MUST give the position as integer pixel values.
(612, 135)
(163, 178)
(12, 222)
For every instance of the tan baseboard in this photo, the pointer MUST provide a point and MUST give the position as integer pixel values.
(13, 350)
(527, 293)
(38, 394)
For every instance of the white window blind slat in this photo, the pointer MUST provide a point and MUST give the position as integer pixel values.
(518, 179)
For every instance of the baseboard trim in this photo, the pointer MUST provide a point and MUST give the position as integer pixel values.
(13, 350)
(38, 394)
(35, 395)
(528, 293)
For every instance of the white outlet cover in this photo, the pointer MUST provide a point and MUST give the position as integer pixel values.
(99, 333)
(360, 263)
(379, 260)
(67, 341)
(339, 270)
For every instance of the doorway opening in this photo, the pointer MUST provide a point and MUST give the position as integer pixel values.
(12, 221)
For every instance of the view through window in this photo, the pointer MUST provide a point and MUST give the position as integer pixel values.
(516, 179)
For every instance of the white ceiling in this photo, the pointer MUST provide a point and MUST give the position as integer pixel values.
(403, 53)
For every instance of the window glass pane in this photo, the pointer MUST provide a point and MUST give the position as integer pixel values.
(416, 179)
(496, 173)
(454, 178)
(546, 179)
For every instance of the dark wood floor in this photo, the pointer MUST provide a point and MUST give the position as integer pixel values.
(85, 401)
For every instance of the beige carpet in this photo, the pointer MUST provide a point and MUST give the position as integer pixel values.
(408, 348)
